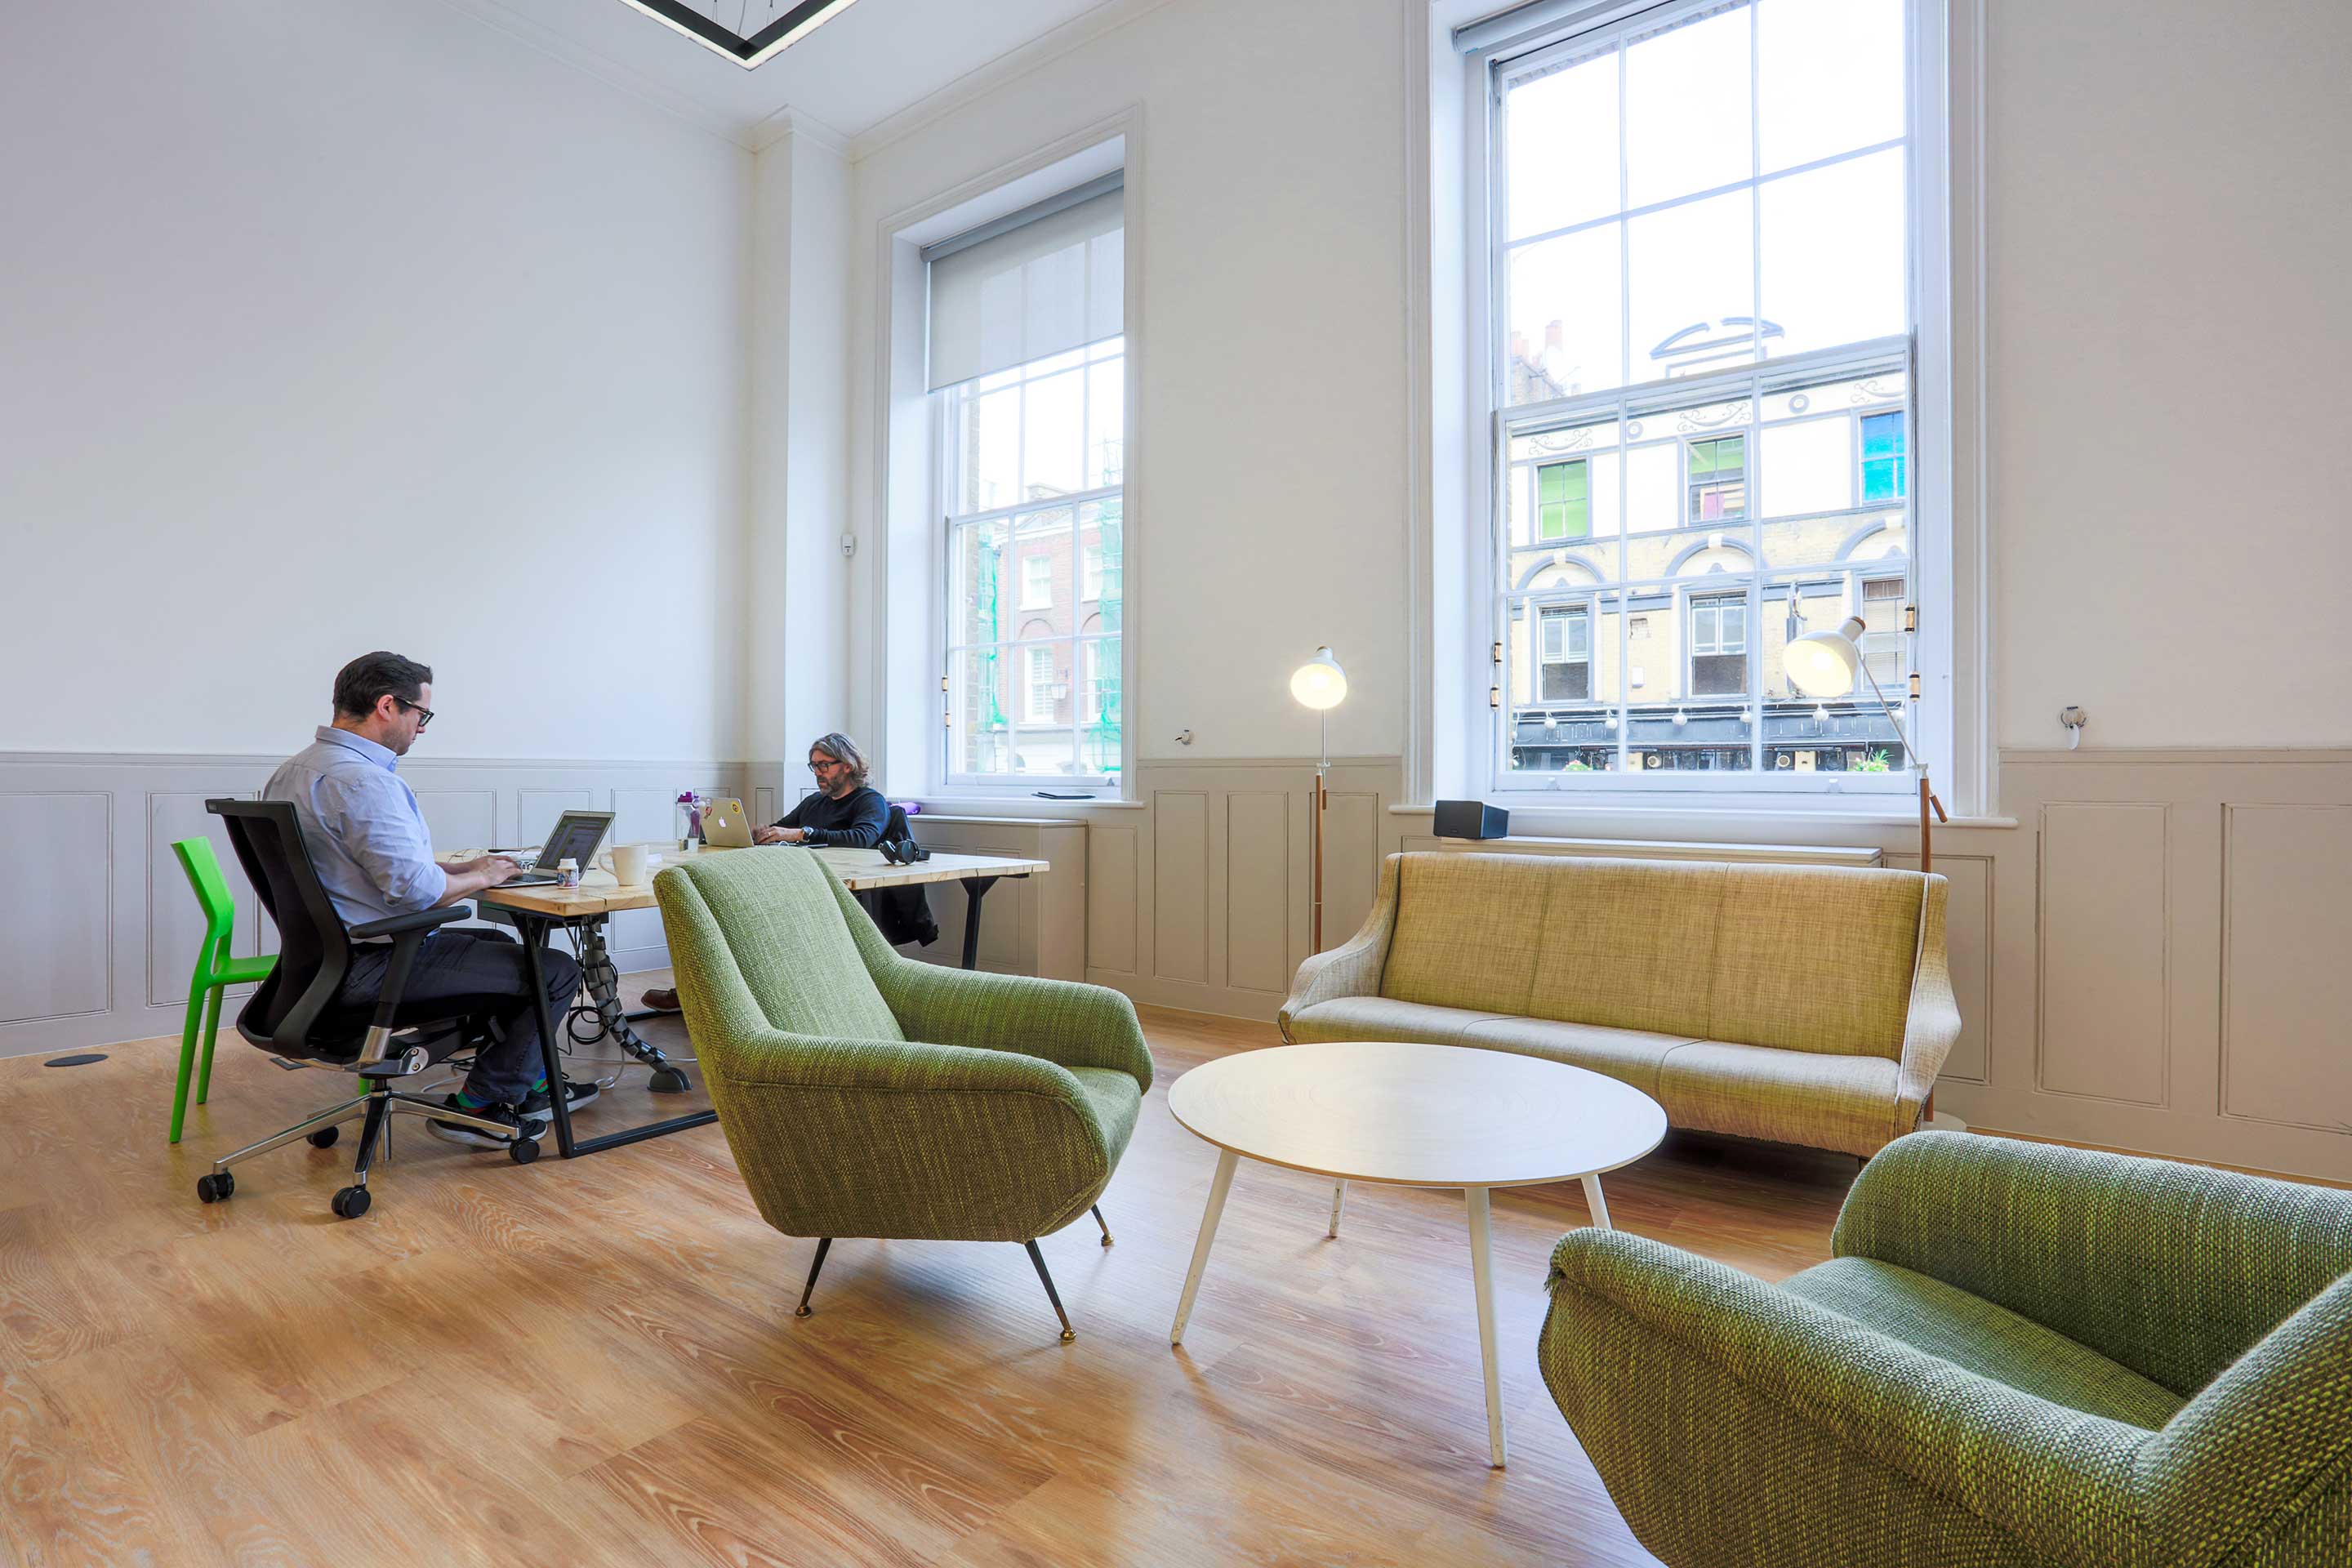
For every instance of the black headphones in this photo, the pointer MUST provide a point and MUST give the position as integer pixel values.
(902, 851)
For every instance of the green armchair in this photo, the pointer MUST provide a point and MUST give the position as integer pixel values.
(2018, 1354)
(865, 1094)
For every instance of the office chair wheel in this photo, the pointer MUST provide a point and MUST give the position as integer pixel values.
(324, 1138)
(668, 1080)
(350, 1203)
(216, 1188)
(523, 1151)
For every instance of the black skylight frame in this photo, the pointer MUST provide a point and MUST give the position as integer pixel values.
(746, 52)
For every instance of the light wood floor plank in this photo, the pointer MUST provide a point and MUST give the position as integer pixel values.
(597, 1360)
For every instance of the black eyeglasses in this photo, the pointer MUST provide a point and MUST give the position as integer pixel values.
(423, 714)
(817, 767)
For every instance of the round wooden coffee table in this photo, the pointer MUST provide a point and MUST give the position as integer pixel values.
(1406, 1115)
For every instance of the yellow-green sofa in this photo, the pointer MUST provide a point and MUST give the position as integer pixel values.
(1799, 1004)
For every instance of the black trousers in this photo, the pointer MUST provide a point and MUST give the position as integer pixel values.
(472, 974)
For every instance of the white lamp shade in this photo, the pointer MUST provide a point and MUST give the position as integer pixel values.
(1824, 664)
(1319, 682)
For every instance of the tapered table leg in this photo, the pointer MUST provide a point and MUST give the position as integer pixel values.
(1338, 1205)
(1482, 1269)
(1596, 1203)
(1224, 1183)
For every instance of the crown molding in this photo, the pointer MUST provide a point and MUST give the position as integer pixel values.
(1007, 68)
(700, 116)
(797, 123)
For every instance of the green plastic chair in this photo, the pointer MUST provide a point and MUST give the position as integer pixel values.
(215, 970)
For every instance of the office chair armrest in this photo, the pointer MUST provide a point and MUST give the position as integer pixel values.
(400, 925)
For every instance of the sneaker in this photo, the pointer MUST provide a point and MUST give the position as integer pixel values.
(474, 1137)
(661, 1000)
(537, 1107)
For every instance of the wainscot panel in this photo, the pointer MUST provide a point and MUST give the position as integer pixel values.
(98, 942)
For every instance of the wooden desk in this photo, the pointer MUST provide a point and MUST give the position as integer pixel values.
(538, 910)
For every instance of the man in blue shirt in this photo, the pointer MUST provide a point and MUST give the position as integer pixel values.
(374, 855)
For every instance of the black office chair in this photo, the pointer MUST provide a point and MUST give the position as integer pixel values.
(294, 1016)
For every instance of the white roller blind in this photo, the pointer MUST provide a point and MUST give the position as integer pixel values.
(1055, 283)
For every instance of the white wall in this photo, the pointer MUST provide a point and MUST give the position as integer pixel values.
(2167, 240)
(331, 327)
(798, 578)
(1270, 514)
(2164, 322)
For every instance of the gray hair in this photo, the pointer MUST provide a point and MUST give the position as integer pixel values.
(842, 749)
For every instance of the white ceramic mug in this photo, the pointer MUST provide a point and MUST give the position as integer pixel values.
(629, 864)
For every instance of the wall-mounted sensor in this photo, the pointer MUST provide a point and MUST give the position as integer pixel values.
(2074, 719)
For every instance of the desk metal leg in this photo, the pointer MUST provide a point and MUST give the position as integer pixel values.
(534, 929)
(975, 889)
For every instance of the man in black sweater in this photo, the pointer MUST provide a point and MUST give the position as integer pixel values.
(845, 813)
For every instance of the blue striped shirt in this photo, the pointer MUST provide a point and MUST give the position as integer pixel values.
(359, 821)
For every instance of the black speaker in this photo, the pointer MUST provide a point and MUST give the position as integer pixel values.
(1472, 820)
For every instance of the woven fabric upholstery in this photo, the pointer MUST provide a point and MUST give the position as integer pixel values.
(1971, 1332)
(1815, 958)
(1355, 968)
(2215, 1259)
(1629, 944)
(1792, 1096)
(1003, 1120)
(1628, 1056)
(1845, 966)
(1468, 928)
(1737, 1423)
(1378, 1018)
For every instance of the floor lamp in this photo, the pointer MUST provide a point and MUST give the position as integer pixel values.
(1322, 684)
(1823, 664)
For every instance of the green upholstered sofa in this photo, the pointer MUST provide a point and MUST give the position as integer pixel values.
(865, 1094)
(1805, 1004)
(2019, 1355)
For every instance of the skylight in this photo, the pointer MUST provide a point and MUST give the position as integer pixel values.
(749, 32)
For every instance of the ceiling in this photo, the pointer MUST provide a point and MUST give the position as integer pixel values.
(863, 66)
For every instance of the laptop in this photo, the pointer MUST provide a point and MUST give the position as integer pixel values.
(725, 826)
(577, 833)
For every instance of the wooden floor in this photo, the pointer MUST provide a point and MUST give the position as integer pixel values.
(597, 1360)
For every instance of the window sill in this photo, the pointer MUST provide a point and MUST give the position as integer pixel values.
(1900, 813)
(946, 802)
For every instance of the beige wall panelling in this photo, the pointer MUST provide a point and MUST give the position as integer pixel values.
(1028, 925)
(174, 925)
(2105, 967)
(1180, 888)
(1256, 894)
(57, 924)
(97, 944)
(2286, 965)
(1114, 901)
(462, 819)
(535, 812)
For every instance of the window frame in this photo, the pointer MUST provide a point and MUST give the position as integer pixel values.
(945, 407)
(1944, 567)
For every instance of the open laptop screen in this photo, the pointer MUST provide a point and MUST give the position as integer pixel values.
(577, 833)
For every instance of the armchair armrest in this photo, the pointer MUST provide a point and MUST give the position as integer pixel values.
(400, 925)
(1353, 968)
(2054, 1479)
(773, 1059)
(2173, 1269)
(1933, 1025)
(1061, 1021)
